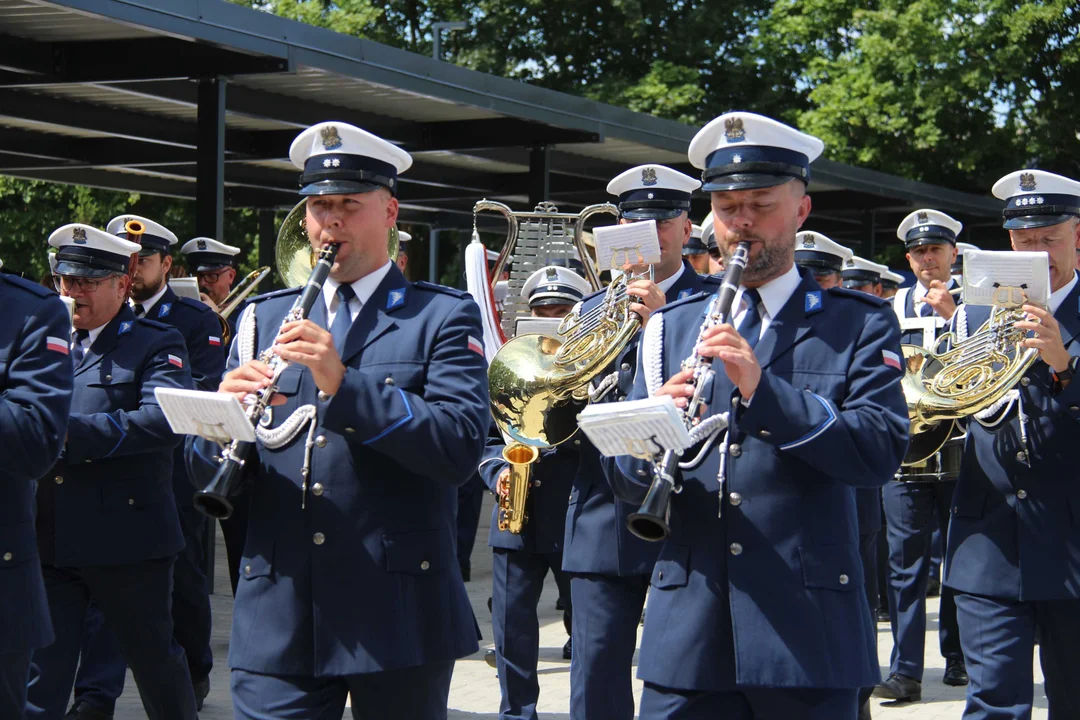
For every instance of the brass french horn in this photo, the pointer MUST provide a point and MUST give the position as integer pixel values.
(293, 253)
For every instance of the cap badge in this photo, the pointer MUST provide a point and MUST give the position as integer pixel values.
(808, 241)
(850, 264)
(78, 235)
(734, 130)
(648, 176)
(1027, 182)
(330, 138)
(923, 218)
(552, 274)
(201, 244)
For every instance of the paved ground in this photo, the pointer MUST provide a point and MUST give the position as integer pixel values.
(474, 694)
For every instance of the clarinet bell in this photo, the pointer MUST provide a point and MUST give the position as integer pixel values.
(650, 522)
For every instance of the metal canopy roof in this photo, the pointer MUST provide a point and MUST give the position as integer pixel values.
(105, 93)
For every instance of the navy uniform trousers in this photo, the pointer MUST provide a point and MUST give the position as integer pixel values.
(35, 401)
(107, 523)
(1013, 548)
(520, 564)
(100, 680)
(914, 510)
(609, 567)
(868, 510)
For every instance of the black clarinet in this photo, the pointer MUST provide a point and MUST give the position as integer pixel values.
(213, 500)
(650, 522)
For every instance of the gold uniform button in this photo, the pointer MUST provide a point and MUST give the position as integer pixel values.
(844, 579)
(536, 483)
(247, 569)
(736, 549)
(318, 538)
(735, 499)
(317, 489)
(323, 397)
(389, 380)
(660, 575)
(321, 441)
(425, 565)
(350, 430)
(764, 433)
(59, 479)
(735, 450)
(8, 556)
(1021, 493)
(1075, 408)
(1021, 456)
(577, 442)
(108, 378)
(641, 473)
(625, 367)
(1025, 381)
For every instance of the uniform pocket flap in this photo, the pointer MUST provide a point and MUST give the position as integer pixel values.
(288, 382)
(124, 495)
(672, 567)
(416, 553)
(833, 568)
(256, 566)
(18, 545)
(398, 374)
(113, 375)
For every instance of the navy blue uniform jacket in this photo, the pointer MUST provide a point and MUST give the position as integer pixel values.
(1015, 530)
(771, 593)
(364, 579)
(109, 499)
(35, 399)
(597, 540)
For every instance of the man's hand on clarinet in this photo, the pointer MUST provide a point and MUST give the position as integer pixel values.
(726, 344)
(248, 379)
(305, 343)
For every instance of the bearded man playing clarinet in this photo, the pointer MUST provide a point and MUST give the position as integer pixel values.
(757, 608)
(349, 583)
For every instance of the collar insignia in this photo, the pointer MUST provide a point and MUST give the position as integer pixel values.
(125, 327)
(165, 309)
(395, 298)
(813, 301)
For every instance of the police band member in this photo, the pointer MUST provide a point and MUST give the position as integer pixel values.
(393, 378)
(862, 275)
(760, 580)
(107, 524)
(708, 237)
(696, 253)
(35, 400)
(1013, 551)
(214, 265)
(825, 259)
(403, 251)
(609, 566)
(917, 503)
(521, 562)
(890, 283)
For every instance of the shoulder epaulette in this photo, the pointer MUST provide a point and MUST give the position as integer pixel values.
(716, 280)
(194, 304)
(858, 295)
(594, 293)
(276, 293)
(31, 287)
(453, 292)
(154, 324)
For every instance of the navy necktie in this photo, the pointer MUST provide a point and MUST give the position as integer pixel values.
(138, 310)
(750, 327)
(927, 310)
(77, 349)
(343, 319)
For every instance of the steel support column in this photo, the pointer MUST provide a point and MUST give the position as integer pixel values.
(539, 175)
(210, 159)
(433, 255)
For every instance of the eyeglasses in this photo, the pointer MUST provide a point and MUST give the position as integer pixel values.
(67, 283)
(209, 277)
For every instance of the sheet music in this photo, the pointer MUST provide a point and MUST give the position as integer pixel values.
(988, 272)
(541, 326)
(637, 427)
(212, 415)
(186, 287)
(634, 243)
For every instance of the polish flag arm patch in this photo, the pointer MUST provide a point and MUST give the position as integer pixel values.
(56, 344)
(215, 341)
(892, 359)
(176, 360)
(476, 346)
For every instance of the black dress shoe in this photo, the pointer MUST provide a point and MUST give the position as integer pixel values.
(567, 649)
(83, 710)
(933, 587)
(489, 658)
(466, 574)
(955, 672)
(900, 688)
(202, 689)
(559, 604)
(883, 615)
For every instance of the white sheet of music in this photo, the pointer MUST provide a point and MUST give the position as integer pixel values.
(987, 272)
(212, 415)
(635, 427)
(538, 326)
(186, 287)
(634, 243)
